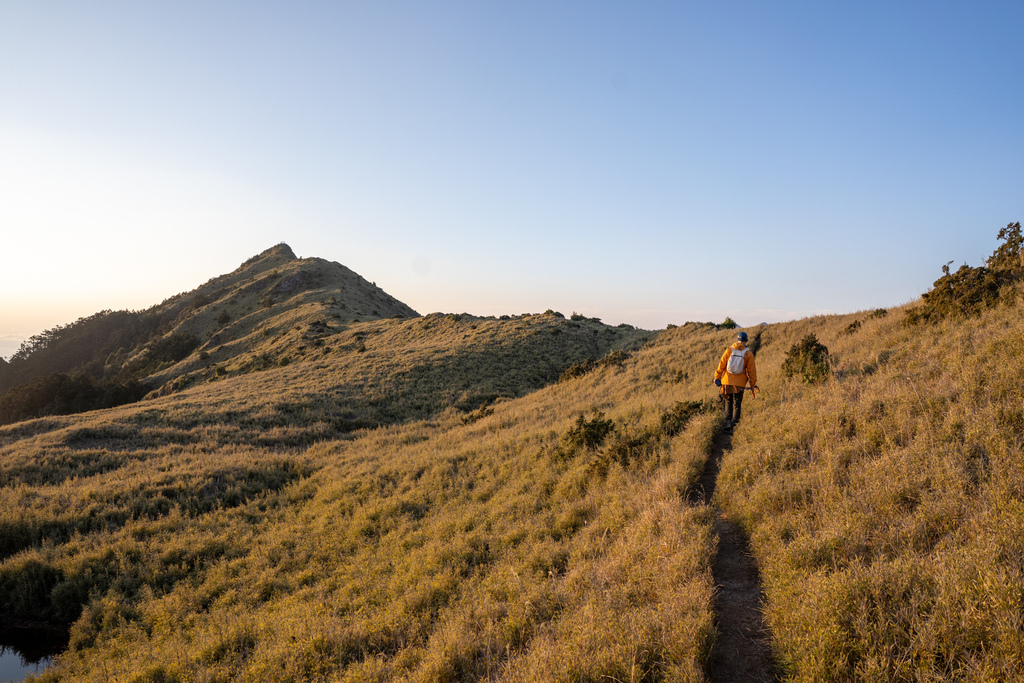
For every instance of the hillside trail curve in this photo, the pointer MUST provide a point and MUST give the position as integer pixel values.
(742, 652)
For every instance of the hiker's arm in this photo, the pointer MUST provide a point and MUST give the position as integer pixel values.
(720, 372)
(751, 370)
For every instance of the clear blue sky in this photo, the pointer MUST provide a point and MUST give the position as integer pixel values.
(648, 163)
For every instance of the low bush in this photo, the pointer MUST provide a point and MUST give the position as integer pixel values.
(675, 419)
(808, 359)
(589, 434)
(968, 291)
(965, 292)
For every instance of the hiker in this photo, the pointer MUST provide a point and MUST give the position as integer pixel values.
(734, 371)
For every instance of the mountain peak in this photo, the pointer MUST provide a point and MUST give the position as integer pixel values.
(276, 255)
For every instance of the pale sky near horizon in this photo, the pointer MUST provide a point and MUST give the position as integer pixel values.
(648, 163)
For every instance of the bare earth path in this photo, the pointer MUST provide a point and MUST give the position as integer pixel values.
(742, 651)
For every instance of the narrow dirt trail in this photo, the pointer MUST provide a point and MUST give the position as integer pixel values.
(742, 651)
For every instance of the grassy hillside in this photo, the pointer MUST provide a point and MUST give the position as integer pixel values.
(424, 500)
(234, 531)
(271, 309)
(886, 504)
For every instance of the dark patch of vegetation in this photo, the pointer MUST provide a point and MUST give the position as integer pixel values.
(675, 419)
(589, 434)
(83, 346)
(627, 448)
(852, 327)
(577, 370)
(477, 415)
(472, 401)
(171, 349)
(62, 394)
(809, 360)
(614, 358)
(755, 342)
(159, 354)
(963, 293)
(80, 367)
(579, 317)
(968, 291)
(631, 446)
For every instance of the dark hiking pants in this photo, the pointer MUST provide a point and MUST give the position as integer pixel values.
(733, 403)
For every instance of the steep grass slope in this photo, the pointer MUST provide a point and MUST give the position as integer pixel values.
(886, 504)
(244, 530)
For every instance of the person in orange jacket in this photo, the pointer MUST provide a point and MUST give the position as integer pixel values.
(735, 371)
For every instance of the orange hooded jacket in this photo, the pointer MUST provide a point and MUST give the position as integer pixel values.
(749, 369)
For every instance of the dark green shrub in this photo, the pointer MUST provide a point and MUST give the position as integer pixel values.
(173, 348)
(478, 415)
(808, 360)
(852, 327)
(675, 419)
(196, 303)
(968, 291)
(589, 434)
(616, 358)
(630, 448)
(224, 317)
(1009, 256)
(473, 401)
(577, 370)
(729, 324)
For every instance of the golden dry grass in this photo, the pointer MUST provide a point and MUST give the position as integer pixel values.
(240, 530)
(886, 506)
(256, 527)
